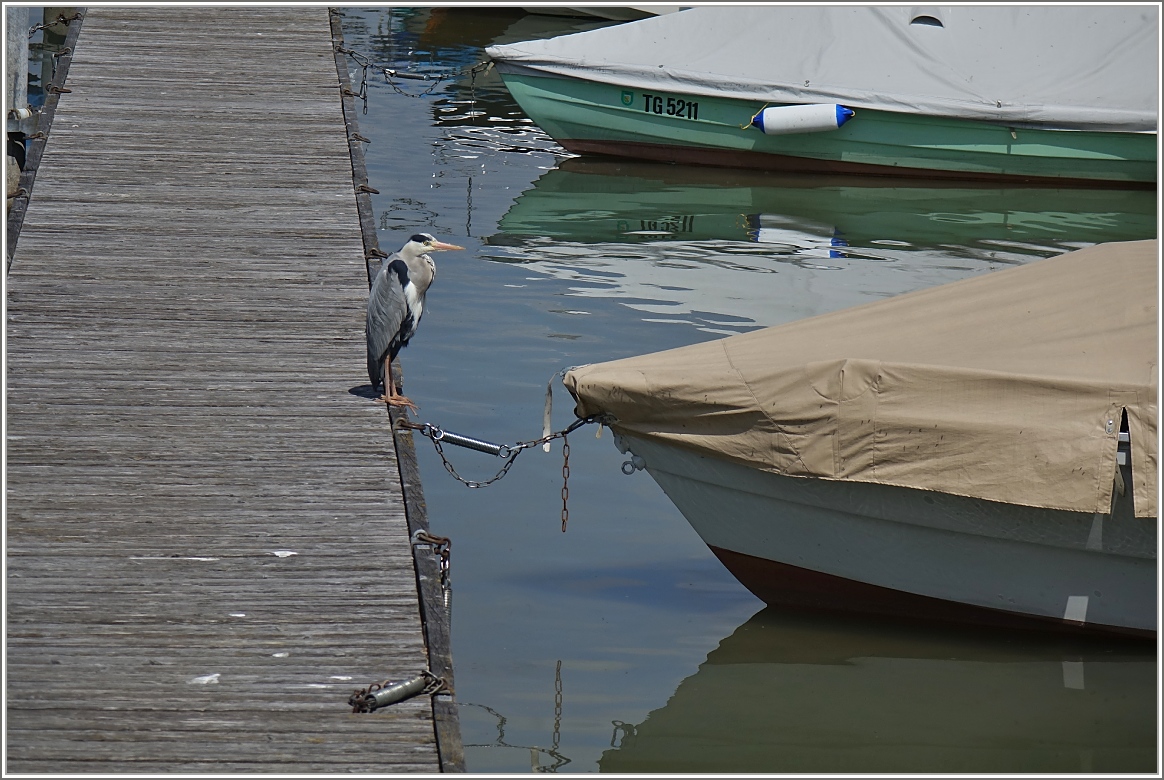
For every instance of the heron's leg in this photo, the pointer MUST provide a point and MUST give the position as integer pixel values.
(391, 397)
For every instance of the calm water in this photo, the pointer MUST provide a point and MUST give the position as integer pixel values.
(622, 644)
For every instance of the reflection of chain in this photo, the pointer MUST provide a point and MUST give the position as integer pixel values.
(557, 704)
(559, 759)
(391, 73)
(627, 729)
(472, 71)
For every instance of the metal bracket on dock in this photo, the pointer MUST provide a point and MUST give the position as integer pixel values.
(382, 694)
(441, 545)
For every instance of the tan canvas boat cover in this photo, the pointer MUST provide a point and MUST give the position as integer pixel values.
(1007, 386)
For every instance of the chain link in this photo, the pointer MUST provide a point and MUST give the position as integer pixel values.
(565, 481)
(364, 64)
(469, 482)
(509, 452)
(61, 19)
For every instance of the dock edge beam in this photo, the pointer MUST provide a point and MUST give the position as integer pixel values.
(434, 612)
(35, 152)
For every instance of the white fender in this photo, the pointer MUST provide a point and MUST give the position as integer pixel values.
(815, 117)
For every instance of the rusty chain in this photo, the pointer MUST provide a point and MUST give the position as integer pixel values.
(436, 443)
(508, 451)
(61, 19)
(565, 481)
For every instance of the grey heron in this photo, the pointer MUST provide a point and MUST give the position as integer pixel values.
(395, 305)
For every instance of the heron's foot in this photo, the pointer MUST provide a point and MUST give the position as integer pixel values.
(398, 400)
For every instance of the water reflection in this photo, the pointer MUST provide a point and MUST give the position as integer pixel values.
(796, 693)
(732, 250)
(552, 754)
(594, 201)
(447, 43)
(630, 599)
(44, 46)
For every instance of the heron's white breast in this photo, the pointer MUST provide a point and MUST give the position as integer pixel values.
(415, 300)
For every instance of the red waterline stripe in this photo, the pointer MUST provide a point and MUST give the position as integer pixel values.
(784, 585)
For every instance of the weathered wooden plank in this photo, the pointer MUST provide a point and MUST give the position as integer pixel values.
(185, 346)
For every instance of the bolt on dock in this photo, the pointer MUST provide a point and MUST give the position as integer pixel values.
(208, 521)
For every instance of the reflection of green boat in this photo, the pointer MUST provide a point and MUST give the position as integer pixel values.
(813, 694)
(966, 93)
(606, 201)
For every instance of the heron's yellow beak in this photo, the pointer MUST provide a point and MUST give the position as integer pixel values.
(443, 245)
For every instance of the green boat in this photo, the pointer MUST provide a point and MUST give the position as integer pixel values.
(957, 92)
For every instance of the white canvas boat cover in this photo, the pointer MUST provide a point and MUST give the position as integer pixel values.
(1054, 66)
(1007, 386)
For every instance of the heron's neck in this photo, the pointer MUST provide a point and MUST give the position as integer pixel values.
(421, 271)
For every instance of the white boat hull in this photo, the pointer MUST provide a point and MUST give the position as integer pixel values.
(855, 546)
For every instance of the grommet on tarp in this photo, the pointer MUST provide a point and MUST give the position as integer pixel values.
(384, 693)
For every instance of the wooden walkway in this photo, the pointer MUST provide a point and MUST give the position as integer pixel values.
(207, 543)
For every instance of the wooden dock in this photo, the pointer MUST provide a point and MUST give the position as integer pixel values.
(208, 542)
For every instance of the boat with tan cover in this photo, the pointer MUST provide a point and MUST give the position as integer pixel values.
(981, 451)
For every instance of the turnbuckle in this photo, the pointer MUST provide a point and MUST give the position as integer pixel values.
(469, 443)
(441, 436)
(383, 694)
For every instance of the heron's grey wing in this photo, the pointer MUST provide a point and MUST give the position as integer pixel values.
(386, 311)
